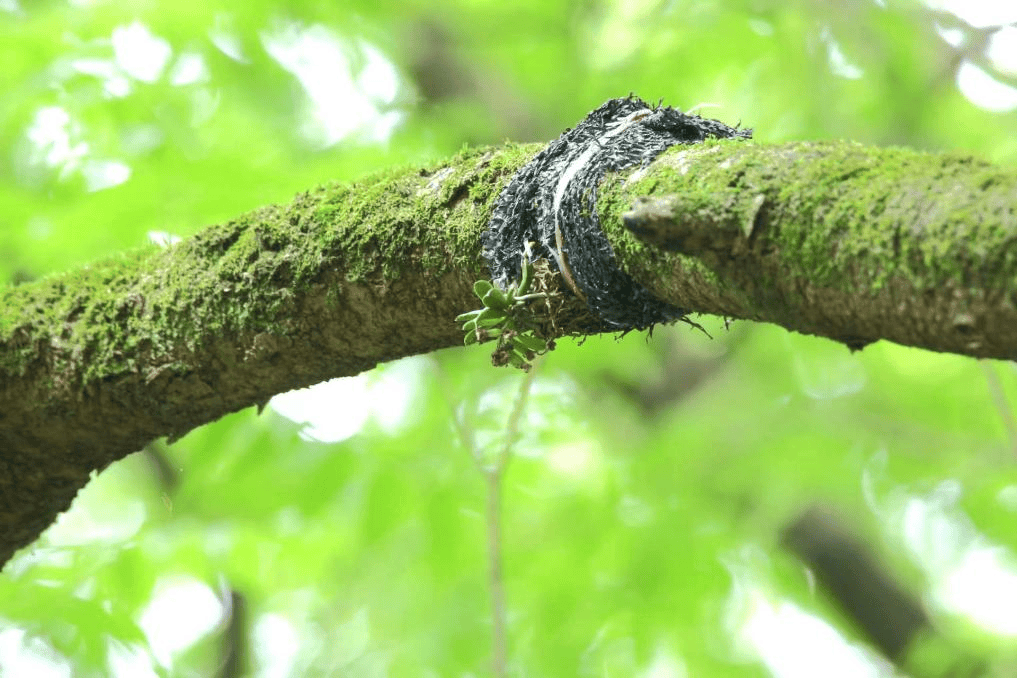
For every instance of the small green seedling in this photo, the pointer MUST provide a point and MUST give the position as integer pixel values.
(507, 318)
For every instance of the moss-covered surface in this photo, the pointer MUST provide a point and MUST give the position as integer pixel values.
(841, 206)
(760, 230)
(242, 276)
(96, 362)
(833, 215)
(834, 239)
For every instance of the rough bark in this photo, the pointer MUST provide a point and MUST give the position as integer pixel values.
(832, 239)
(97, 362)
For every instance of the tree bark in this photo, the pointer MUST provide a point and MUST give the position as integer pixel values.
(832, 239)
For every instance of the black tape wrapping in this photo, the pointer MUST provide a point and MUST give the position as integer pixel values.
(557, 191)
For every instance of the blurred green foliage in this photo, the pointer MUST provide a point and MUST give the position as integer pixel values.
(654, 478)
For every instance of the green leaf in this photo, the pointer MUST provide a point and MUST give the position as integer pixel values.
(463, 317)
(519, 357)
(482, 287)
(489, 313)
(497, 299)
(527, 278)
(491, 322)
(530, 342)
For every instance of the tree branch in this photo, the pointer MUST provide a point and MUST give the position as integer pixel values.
(97, 362)
(832, 239)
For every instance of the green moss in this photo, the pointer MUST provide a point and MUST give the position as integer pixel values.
(59, 314)
(435, 215)
(839, 212)
(114, 316)
(110, 315)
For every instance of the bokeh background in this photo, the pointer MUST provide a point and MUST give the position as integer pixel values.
(654, 505)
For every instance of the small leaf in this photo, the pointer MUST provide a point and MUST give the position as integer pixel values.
(527, 278)
(491, 314)
(518, 358)
(491, 322)
(495, 298)
(482, 287)
(530, 342)
(463, 317)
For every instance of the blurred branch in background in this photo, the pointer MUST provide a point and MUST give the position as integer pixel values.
(968, 45)
(849, 571)
(167, 476)
(868, 592)
(235, 645)
(446, 80)
(678, 372)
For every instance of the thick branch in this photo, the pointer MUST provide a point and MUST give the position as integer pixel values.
(97, 362)
(832, 239)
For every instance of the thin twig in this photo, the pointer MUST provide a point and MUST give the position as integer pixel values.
(234, 638)
(512, 425)
(493, 474)
(1002, 404)
(495, 580)
(462, 422)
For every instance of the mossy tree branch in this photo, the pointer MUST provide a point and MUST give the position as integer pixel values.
(97, 362)
(832, 239)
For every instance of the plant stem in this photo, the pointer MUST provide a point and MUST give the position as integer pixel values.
(1002, 406)
(493, 474)
(495, 582)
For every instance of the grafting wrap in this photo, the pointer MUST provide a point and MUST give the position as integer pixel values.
(556, 193)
